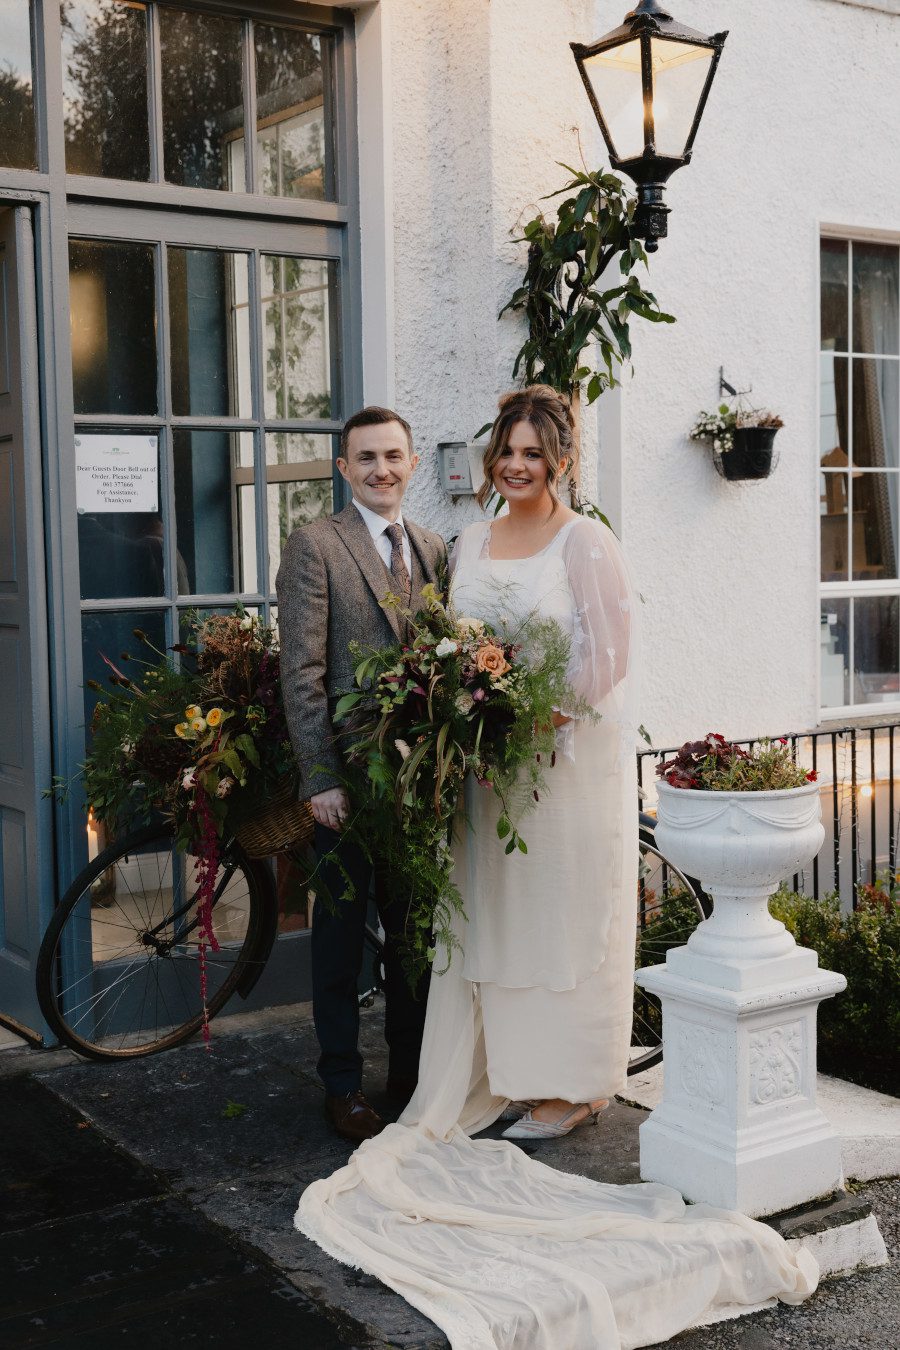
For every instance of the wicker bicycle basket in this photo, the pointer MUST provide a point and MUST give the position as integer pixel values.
(280, 822)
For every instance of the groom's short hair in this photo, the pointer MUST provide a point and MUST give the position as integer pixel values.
(371, 417)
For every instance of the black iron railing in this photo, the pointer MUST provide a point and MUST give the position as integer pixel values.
(855, 768)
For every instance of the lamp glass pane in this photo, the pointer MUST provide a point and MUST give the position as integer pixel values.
(680, 72)
(615, 76)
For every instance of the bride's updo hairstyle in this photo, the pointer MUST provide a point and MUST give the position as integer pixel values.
(550, 414)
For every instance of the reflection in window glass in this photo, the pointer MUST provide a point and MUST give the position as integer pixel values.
(874, 526)
(833, 411)
(209, 328)
(112, 306)
(299, 335)
(202, 98)
(293, 136)
(834, 641)
(835, 307)
(875, 649)
(835, 526)
(299, 486)
(215, 511)
(876, 409)
(120, 553)
(111, 634)
(876, 283)
(17, 149)
(104, 53)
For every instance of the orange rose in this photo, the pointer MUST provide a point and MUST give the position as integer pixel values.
(491, 659)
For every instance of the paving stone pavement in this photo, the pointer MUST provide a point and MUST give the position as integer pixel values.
(233, 1135)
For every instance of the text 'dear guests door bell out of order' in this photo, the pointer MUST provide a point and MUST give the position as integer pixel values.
(459, 464)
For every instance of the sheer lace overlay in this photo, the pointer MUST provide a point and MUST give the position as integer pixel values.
(501, 1251)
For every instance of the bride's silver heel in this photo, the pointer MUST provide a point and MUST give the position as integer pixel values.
(529, 1128)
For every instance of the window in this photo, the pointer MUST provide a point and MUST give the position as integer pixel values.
(859, 466)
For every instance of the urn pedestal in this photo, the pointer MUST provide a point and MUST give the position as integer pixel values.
(738, 1126)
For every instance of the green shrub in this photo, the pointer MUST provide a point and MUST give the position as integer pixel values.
(859, 1030)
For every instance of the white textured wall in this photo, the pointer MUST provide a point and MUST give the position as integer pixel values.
(484, 99)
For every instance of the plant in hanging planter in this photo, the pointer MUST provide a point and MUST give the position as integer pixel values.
(740, 821)
(742, 439)
(578, 316)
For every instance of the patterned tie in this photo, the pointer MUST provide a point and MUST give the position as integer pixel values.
(398, 566)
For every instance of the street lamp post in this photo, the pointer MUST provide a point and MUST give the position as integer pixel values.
(648, 82)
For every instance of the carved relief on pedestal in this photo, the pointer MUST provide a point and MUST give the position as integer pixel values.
(776, 1063)
(701, 1062)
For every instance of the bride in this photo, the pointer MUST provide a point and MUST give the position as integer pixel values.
(501, 1251)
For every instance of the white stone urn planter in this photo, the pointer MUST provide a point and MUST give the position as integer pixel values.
(740, 846)
(738, 1125)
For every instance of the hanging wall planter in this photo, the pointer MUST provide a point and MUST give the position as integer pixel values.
(741, 439)
(752, 454)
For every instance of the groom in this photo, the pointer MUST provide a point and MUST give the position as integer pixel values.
(334, 573)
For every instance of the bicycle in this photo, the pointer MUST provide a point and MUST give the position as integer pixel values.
(117, 972)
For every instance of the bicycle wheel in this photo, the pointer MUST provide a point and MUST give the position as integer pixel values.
(668, 911)
(118, 971)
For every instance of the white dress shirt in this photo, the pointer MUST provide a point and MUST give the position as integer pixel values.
(376, 525)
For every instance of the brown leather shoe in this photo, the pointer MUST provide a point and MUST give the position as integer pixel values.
(352, 1117)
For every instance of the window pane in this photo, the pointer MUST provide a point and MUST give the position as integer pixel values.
(209, 332)
(202, 98)
(299, 486)
(215, 512)
(835, 306)
(833, 411)
(294, 135)
(876, 407)
(874, 525)
(109, 635)
(876, 282)
(17, 149)
(112, 305)
(835, 653)
(299, 336)
(875, 647)
(835, 523)
(120, 540)
(104, 53)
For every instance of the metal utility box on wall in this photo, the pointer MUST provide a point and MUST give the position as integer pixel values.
(460, 466)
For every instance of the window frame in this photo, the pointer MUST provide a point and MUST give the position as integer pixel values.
(851, 589)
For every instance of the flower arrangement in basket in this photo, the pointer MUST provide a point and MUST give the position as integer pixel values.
(457, 697)
(741, 439)
(720, 426)
(202, 741)
(717, 765)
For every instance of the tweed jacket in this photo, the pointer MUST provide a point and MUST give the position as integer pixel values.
(329, 584)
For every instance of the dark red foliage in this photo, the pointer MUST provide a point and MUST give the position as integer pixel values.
(682, 771)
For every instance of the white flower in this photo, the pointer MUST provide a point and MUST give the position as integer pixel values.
(225, 786)
(128, 747)
(188, 781)
(403, 749)
(466, 624)
(464, 702)
(247, 622)
(446, 647)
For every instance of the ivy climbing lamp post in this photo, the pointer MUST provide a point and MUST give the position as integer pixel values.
(648, 82)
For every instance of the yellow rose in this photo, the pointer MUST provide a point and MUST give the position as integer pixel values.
(191, 711)
(214, 717)
(490, 658)
(181, 729)
(198, 724)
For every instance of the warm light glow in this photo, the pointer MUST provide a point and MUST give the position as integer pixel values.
(93, 836)
(867, 790)
(87, 318)
(679, 75)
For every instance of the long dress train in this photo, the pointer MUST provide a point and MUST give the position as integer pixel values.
(501, 1251)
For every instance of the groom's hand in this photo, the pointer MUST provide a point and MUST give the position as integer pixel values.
(330, 808)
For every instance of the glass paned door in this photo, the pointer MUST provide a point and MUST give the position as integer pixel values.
(207, 413)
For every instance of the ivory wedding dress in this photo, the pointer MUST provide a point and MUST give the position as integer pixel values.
(501, 1251)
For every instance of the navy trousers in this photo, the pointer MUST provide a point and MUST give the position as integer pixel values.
(337, 952)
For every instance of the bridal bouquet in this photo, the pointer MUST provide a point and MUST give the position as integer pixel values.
(455, 698)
